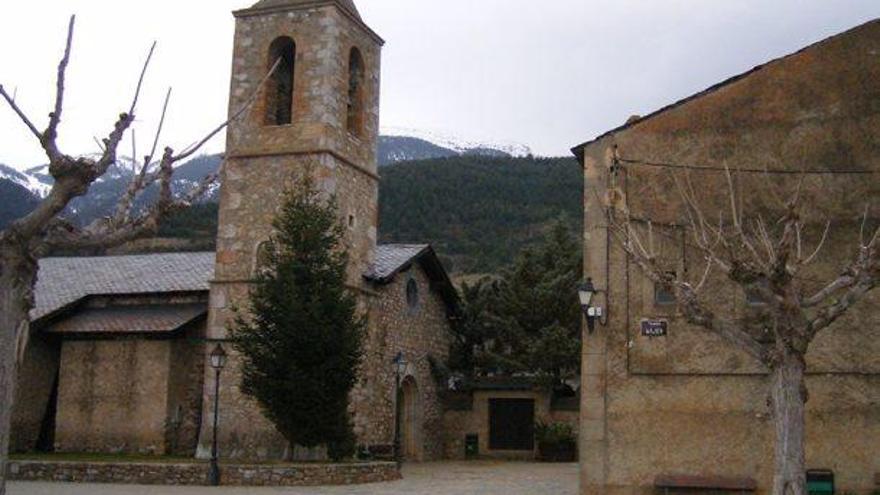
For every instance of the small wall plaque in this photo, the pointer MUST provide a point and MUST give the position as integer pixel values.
(655, 328)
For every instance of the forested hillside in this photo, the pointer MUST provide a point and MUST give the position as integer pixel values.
(478, 212)
(16, 202)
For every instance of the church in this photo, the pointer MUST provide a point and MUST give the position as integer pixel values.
(118, 360)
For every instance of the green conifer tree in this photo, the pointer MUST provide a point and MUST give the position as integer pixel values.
(528, 320)
(301, 338)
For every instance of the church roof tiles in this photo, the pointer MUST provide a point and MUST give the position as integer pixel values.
(392, 258)
(63, 281)
(346, 5)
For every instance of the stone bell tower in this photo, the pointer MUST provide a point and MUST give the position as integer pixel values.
(319, 114)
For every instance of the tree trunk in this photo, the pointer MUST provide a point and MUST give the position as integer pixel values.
(789, 394)
(17, 276)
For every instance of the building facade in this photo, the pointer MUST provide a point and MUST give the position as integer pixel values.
(686, 402)
(114, 362)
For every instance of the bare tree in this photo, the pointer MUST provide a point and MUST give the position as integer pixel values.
(767, 259)
(44, 230)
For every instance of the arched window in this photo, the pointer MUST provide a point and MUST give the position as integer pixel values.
(355, 115)
(412, 295)
(279, 88)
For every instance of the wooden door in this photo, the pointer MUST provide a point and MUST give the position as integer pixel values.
(511, 424)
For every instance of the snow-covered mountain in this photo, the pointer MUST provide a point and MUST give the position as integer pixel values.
(103, 194)
(398, 144)
(29, 179)
(456, 143)
(395, 145)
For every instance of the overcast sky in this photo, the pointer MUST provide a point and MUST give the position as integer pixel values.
(545, 73)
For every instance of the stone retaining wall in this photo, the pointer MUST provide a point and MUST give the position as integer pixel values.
(197, 473)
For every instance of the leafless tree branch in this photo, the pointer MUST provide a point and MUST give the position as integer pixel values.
(49, 138)
(137, 91)
(819, 247)
(194, 148)
(18, 111)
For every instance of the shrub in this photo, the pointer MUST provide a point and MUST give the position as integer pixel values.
(554, 433)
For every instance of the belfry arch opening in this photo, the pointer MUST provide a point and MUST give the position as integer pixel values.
(279, 87)
(355, 110)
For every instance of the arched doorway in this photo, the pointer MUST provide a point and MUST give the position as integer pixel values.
(410, 420)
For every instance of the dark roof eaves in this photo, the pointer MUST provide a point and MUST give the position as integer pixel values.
(72, 305)
(578, 150)
(146, 334)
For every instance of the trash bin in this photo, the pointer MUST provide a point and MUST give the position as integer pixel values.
(471, 446)
(820, 482)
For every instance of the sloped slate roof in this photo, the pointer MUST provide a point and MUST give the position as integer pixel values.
(391, 258)
(156, 319)
(63, 281)
(347, 5)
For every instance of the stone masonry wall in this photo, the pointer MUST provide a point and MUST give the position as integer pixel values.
(688, 403)
(37, 377)
(262, 161)
(420, 334)
(104, 385)
(196, 474)
(344, 163)
(184, 412)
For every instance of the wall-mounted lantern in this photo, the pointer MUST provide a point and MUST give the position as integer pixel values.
(586, 293)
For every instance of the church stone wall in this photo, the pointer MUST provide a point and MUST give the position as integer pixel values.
(263, 161)
(392, 327)
(688, 403)
(112, 396)
(421, 334)
(37, 377)
(184, 411)
(129, 394)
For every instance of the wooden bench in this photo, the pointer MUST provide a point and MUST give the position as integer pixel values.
(668, 482)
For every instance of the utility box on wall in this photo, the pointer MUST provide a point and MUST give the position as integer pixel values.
(820, 482)
(471, 446)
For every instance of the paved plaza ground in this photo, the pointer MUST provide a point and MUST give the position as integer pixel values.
(442, 478)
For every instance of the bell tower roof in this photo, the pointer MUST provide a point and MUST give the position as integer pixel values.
(263, 5)
(347, 7)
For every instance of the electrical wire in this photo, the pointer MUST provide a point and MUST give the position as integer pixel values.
(680, 166)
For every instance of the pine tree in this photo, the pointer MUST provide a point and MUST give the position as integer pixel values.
(528, 320)
(301, 340)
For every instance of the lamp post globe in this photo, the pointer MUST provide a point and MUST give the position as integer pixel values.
(218, 357)
(586, 291)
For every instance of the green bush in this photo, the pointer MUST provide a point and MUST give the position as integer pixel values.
(554, 433)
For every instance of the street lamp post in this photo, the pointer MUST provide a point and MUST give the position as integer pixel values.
(218, 361)
(399, 367)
